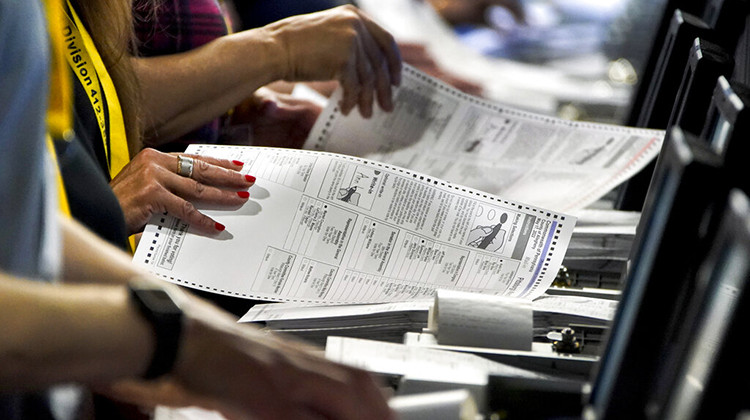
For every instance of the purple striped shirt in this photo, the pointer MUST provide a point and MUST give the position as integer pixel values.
(177, 26)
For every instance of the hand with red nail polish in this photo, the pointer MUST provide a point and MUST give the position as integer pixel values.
(150, 184)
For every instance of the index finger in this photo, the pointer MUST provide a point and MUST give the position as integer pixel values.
(378, 69)
(387, 44)
(186, 211)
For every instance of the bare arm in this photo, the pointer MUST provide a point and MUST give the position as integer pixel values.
(94, 335)
(89, 259)
(88, 334)
(183, 91)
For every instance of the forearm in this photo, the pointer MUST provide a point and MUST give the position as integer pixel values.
(53, 334)
(89, 259)
(183, 91)
(191, 119)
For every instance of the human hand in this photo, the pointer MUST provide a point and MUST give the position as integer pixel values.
(343, 44)
(243, 373)
(149, 184)
(277, 119)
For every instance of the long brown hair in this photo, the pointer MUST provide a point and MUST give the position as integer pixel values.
(110, 23)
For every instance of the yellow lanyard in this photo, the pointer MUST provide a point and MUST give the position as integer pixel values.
(59, 112)
(87, 64)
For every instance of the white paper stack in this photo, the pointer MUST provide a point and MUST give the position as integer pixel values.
(383, 322)
(603, 234)
(600, 247)
(389, 322)
(592, 315)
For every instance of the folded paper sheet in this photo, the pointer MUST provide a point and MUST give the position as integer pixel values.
(326, 228)
(435, 129)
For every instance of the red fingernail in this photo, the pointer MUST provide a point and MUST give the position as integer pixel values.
(219, 226)
(243, 194)
(238, 163)
(250, 178)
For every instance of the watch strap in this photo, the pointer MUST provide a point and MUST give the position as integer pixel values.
(163, 313)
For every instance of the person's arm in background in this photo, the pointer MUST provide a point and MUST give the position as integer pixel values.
(181, 91)
(89, 259)
(54, 334)
(92, 334)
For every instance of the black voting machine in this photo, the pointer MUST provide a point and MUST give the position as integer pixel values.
(674, 349)
(697, 42)
(657, 315)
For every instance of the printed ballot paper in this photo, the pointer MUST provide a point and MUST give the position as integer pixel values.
(536, 159)
(391, 321)
(328, 228)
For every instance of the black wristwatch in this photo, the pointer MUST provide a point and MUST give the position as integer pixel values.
(162, 311)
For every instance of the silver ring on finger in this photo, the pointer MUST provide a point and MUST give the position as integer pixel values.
(185, 166)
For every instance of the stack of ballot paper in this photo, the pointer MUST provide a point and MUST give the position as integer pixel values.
(588, 316)
(599, 248)
(561, 310)
(603, 234)
(383, 322)
(602, 243)
(391, 321)
(428, 367)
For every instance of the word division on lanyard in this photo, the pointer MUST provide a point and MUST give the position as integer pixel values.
(87, 64)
